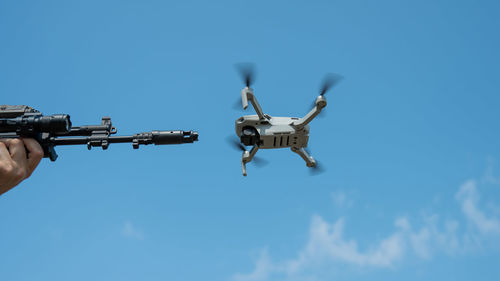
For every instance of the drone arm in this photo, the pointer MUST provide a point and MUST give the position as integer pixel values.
(247, 157)
(319, 105)
(247, 95)
(310, 162)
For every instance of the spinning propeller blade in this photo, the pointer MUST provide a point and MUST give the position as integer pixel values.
(247, 72)
(316, 170)
(237, 105)
(259, 162)
(236, 144)
(330, 80)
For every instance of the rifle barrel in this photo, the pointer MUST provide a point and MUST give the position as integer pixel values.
(154, 137)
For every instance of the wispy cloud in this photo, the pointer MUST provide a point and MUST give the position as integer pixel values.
(327, 245)
(326, 241)
(263, 267)
(434, 236)
(469, 198)
(131, 231)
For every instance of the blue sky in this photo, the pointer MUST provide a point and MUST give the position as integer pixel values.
(411, 189)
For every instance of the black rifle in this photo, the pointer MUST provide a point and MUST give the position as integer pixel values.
(24, 121)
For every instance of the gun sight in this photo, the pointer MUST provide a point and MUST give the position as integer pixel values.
(30, 125)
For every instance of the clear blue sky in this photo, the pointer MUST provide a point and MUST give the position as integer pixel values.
(410, 141)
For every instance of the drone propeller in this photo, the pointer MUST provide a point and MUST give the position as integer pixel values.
(247, 72)
(330, 80)
(238, 146)
(237, 105)
(316, 170)
(259, 162)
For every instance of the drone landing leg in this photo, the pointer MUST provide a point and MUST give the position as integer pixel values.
(310, 162)
(244, 168)
(247, 157)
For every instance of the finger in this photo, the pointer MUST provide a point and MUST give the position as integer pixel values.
(4, 152)
(18, 151)
(35, 154)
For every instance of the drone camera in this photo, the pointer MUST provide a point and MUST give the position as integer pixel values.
(249, 136)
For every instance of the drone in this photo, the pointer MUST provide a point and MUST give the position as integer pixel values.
(263, 131)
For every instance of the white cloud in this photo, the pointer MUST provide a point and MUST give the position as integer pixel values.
(263, 267)
(130, 231)
(434, 237)
(469, 198)
(326, 241)
(327, 246)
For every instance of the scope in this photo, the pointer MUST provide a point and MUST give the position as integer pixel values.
(27, 125)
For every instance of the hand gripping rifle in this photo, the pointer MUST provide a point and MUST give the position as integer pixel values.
(24, 121)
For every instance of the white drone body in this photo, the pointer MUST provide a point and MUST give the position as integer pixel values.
(266, 132)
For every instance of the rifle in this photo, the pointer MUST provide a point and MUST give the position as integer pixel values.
(52, 130)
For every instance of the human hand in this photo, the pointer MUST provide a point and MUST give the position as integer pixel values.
(18, 159)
